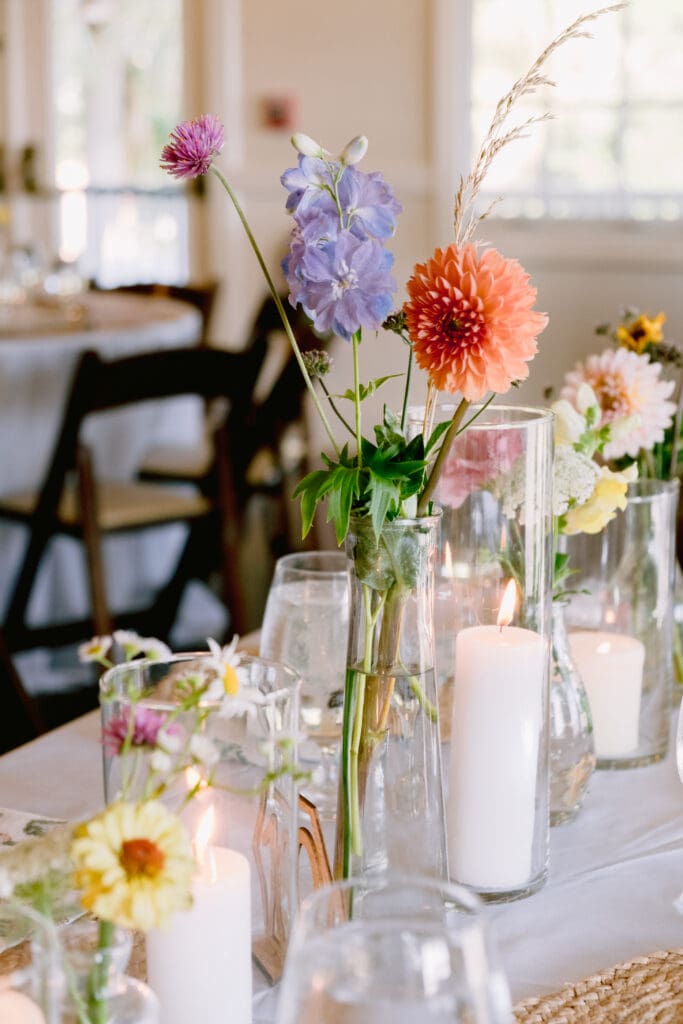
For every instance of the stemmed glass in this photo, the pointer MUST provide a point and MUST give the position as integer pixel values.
(306, 626)
(392, 951)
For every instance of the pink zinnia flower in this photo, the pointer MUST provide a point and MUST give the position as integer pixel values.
(475, 460)
(470, 320)
(147, 726)
(192, 147)
(626, 385)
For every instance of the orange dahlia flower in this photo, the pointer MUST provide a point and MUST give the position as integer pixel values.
(470, 320)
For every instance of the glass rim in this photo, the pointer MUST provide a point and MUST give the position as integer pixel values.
(652, 487)
(138, 664)
(533, 414)
(435, 516)
(287, 563)
(464, 898)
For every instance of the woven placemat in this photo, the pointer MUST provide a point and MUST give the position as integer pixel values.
(647, 990)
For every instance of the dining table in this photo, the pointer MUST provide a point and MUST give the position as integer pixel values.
(40, 343)
(616, 871)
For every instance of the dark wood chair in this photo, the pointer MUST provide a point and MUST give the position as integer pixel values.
(274, 452)
(21, 719)
(74, 500)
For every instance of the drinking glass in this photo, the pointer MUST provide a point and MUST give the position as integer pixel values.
(305, 626)
(392, 951)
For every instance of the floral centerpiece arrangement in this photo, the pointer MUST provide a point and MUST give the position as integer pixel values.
(628, 381)
(468, 322)
(639, 378)
(131, 865)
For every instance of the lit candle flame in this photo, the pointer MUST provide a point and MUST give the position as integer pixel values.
(507, 605)
(203, 835)
(447, 568)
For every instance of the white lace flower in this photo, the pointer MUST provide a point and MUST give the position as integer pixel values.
(574, 478)
(161, 762)
(204, 751)
(169, 740)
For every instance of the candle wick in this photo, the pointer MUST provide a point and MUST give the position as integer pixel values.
(501, 627)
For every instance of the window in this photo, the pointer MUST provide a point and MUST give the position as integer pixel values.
(615, 147)
(117, 84)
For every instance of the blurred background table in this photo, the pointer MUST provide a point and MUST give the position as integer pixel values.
(39, 347)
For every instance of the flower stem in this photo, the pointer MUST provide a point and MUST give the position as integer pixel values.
(356, 395)
(435, 472)
(98, 976)
(335, 410)
(406, 393)
(280, 308)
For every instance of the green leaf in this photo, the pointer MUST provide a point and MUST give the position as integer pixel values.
(384, 495)
(436, 435)
(366, 390)
(311, 489)
(343, 489)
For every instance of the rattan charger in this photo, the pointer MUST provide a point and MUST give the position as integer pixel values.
(646, 990)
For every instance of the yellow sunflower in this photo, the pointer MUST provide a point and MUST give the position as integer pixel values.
(134, 865)
(641, 332)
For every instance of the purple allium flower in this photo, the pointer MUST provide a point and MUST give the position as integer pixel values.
(148, 723)
(344, 285)
(192, 147)
(369, 204)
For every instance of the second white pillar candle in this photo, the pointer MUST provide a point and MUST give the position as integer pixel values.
(497, 721)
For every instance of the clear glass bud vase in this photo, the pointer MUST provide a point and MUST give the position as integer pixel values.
(391, 807)
(76, 981)
(572, 749)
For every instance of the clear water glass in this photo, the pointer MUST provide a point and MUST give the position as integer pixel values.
(305, 626)
(392, 951)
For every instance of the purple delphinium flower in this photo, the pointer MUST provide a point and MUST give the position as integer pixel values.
(146, 729)
(337, 267)
(344, 285)
(369, 204)
(309, 184)
(192, 147)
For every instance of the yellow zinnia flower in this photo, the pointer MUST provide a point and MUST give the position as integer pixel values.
(133, 864)
(608, 495)
(641, 333)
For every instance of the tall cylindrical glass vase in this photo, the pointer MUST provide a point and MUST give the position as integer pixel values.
(493, 623)
(391, 812)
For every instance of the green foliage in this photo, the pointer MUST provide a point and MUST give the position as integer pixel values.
(390, 471)
(365, 390)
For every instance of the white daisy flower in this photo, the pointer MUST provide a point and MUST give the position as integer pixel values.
(224, 663)
(169, 740)
(154, 649)
(95, 649)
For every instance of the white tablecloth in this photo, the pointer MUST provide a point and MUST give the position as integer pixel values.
(615, 871)
(36, 366)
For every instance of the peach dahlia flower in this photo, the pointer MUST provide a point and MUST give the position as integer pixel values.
(470, 320)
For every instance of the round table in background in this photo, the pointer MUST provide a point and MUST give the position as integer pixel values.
(39, 348)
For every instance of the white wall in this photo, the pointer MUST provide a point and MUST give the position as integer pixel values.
(383, 69)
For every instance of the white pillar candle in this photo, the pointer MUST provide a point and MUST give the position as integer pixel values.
(200, 967)
(497, 721)
(611, 667)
